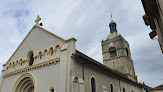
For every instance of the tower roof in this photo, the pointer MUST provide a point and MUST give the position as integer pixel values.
(112, 22)
(113, 25)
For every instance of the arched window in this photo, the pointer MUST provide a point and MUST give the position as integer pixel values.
(51, 51)
(127, 52)
(124, 90)
(40, 55)
(93, 84)
(112, 52)
(30, 58)
(111, 88)
(20, 63)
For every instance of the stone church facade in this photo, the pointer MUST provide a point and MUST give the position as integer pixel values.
(45, 62)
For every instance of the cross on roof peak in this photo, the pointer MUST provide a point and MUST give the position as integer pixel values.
(37, 19)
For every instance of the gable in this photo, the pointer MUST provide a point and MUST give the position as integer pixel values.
(37, 39)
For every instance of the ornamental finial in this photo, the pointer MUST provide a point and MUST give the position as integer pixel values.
(37, 19)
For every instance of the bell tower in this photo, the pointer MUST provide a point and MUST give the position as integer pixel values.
(116, 53)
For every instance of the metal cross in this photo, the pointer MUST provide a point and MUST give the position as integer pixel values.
(37, 19)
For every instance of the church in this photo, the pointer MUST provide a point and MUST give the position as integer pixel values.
(45, 62)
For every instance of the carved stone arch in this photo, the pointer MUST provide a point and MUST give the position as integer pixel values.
(31, 50)
(58, 45)
(51, 51)
(20, 61)
(45, 54)
(17, 61)
(45, 50)
(39, 52)
(40, 55)
(51, 48)
(30, 57)
(25, 83)
(56, 50)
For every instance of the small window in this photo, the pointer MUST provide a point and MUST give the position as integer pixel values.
(40, 56)
(111, 88)
(124, 90)
(93, 84)
(127, 52)
(30, 58)
(52, 90)
(112, 52)
(51, 51)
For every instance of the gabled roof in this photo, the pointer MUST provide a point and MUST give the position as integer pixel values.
(87, 59)
(160, 87)
(29, 34)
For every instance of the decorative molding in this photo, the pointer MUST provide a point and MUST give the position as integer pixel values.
(20, 63)
(32, 67)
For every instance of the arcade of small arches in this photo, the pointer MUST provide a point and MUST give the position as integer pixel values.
(31, 59)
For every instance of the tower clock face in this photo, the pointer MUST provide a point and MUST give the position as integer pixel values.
(110, 44)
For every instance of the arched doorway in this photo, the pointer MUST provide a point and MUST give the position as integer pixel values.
(26, 83)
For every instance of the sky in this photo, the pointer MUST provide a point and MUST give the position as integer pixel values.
(87, 21)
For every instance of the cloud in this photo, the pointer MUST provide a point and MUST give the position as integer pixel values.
(151, 78)
(87, 21)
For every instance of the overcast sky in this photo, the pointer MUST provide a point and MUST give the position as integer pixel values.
(87, 21)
